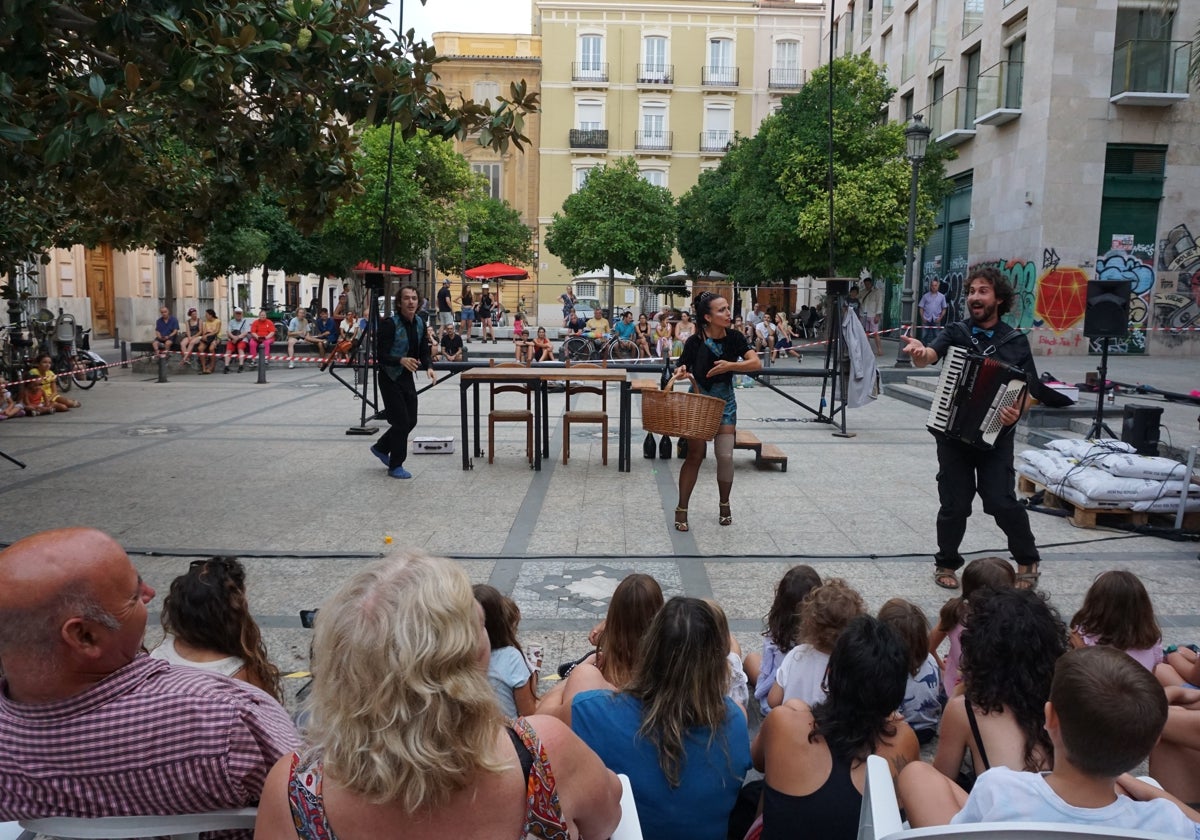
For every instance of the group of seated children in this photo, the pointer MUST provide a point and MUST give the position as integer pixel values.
(39, 394)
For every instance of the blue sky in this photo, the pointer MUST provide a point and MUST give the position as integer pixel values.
(460, 16)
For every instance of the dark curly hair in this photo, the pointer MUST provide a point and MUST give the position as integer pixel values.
(1009, 649)
(868, 671)
(783, 621)
(1000, 285)
(207, 609)
(980, 574)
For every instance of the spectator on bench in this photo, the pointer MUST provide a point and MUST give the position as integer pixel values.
(451, 344)
(262, 331)
(210, 342)
(237, 338)
(166, 332)
(299, 329)
(193, 329)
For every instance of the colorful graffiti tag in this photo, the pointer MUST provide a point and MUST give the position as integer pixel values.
(1177, 298)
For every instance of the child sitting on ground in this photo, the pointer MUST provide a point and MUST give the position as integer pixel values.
(513, 680)
(984, 572)
(8, 406)
(827, 610)
(782, 629)
(1117, 612)
(1104, 715)
(921, 708)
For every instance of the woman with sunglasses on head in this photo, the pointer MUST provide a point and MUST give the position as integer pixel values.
(208, 625)
(710, 358)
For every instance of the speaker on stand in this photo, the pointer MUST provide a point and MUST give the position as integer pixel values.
(1106, 318)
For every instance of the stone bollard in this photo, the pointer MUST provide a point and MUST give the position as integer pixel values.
(262, 364)
(124, 354)
(162, 368)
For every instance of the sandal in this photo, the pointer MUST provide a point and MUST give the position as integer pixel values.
(1028, 580)
(945, 578)
(681, 524)
(726, 515)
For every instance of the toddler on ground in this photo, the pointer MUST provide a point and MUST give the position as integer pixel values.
(513, 680)
(922, 708)
(827, 611)
(782, 629)
(984, 572)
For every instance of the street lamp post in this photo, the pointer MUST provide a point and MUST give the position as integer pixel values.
(916, 139)
(464, 236)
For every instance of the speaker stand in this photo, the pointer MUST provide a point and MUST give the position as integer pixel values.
(1098, 425)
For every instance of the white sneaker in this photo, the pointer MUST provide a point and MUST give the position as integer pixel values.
(291, 365)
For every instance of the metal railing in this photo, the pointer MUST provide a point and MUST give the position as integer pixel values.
(589, 71)
(1144, 66)
(652, 140)
(953, 112)
(715, 76)
(656, 74)
(715, 141)
(588, 138)
(785, 78)
(1000, 86)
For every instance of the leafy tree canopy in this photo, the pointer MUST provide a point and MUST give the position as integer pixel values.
(616, 219)
(496, 234)
(707, 239)
(137, 123)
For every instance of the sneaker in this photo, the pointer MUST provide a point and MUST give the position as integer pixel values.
(381, 455)
(241, 368)
(291, 365)
(399, 472)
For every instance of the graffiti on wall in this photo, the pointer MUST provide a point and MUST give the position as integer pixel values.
(1137, 266)
(1177, 298)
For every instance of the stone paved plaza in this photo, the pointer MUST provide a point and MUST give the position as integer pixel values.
(202, 465)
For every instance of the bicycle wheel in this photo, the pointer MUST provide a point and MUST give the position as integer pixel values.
(622, 350)
(83, 374)
(577, 349)
(62, 367)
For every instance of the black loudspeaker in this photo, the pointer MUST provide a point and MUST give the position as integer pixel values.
(1139, 427)
(1107, 314)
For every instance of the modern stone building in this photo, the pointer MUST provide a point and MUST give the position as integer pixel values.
(669, 82)
(1078, 154)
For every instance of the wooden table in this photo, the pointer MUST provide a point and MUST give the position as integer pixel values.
(537, 379)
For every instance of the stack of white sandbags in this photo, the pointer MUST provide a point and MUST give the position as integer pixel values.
(1109, 474)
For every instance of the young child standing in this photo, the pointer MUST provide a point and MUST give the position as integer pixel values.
(984, 572)
(922, 708)
(782, 629)
(827, 611)
(1104, 715)
(514, 682)
(1117, 612)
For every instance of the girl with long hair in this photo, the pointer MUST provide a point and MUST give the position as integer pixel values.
(710, 358)
(208, 625)
(782, 632)
(980, 575)
(514, 682)
(1117, 612)
(663, 336)
(674, 732)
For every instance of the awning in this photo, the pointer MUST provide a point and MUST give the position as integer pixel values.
(496, 271)
(369, 268)
(601, 273)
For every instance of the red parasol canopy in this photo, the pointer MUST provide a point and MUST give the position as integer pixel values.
(366, 267)
(496, 271)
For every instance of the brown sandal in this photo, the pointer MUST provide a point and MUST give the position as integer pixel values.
(1028, 580)
(945, 578)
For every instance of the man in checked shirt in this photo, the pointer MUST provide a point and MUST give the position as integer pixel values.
(92, 727)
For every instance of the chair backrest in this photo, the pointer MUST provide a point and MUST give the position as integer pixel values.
(600, 389)
(510, 388)
(630, 827)
(880, 819)
(179, 826)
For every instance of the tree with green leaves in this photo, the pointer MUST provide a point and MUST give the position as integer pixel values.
(136, 124)
(496, 234)
(707, 239)
(616, 219)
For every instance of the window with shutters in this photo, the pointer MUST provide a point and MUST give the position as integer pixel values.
(485, 91)
(491, 171)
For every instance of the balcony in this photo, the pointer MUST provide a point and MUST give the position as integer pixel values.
(655, 75)
(589, 138)
(1000, 93)
(1153, 73)
(587, 73)
(952, 117)
(718, 77)
(652, 141)
(715, 142)
(785, 78)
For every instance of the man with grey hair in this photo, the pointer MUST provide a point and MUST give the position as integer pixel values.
(92, 727)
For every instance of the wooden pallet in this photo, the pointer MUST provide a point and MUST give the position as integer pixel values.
(1087, 517)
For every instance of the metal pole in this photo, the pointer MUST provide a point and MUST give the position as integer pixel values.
(908, 296)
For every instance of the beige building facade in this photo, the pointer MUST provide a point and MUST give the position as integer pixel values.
(1078, 156)
(670, 83)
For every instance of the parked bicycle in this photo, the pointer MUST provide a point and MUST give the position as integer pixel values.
(582, 348)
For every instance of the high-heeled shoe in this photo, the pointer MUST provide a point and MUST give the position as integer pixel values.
(726, 515)
(681, 524)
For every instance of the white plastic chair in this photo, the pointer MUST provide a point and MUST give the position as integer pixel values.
(179, 826)
(630, 827)
(13, 831)
(879, 819)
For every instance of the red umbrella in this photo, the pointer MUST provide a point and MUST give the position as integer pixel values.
(369, 267)
(496, 271)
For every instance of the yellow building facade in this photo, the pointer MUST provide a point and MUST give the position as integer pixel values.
(670, 83)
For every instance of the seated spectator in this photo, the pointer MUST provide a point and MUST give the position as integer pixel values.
(625, 329)
(1117, 612)
(828, 610)
(48, 383)
(981, 574)
(299, 329)
(405, 729)
(814, 758)
(192, 332)
(597, 325)
(576, 323)
(672, 730)
(325, 328)
(765, 335)
(208, 625)
(1175, 760)
(1104, 714)
(210, 342)
(782, 629)
(543, 350)
(34, 400)
(643, 335)
(514, 682)
(262, 332)
(1009, 648)
(91, 727)
(522, 347)
(9, 407)
(166, 332)
(784, 338)
(634, 603)
(452, 344)
(921, 707)
(238, 338)
(1180, 666)
(663, 336)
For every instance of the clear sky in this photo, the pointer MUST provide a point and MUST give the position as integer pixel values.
(460, 16)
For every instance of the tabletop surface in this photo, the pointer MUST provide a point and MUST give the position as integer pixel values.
(524, 374)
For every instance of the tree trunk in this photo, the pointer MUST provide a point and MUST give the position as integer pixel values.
(265, 299)
(612, 293)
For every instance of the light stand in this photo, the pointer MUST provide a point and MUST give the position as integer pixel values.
(916, 139)
(464, 236)
(836, 289)
(1098, 424)
(365, 357)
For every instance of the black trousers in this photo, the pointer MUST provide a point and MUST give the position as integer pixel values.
(964, 471)
(400, 410)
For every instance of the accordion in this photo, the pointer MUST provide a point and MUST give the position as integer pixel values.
(971, 392)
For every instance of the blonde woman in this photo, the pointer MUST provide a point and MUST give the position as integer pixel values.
(784, 338)
(406, 735)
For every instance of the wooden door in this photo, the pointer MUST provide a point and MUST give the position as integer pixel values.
(98, 276)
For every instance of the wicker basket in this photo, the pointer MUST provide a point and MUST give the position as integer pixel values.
(681, 414)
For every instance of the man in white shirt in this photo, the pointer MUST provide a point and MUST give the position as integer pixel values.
(238, 338)
(299, 329)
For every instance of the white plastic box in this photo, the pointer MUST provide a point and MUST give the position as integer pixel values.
(433, 445)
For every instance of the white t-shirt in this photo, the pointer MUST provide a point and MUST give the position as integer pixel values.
(801, 673)
(507, 669)
(1004, 795)
(226, 667)
(765, 330)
